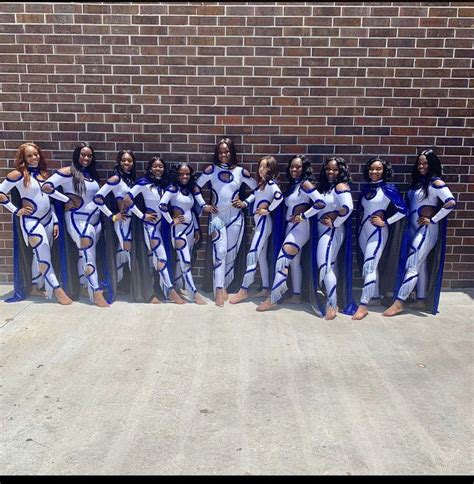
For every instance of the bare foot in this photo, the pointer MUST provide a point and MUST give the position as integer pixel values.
(62, 297)
(361, 313)
(395, 308)
(220, 297)
(331, 313)
(266, 305)
(176, 298)
(242, 295)
(262, 293)
(99, 300)
(225, 293)
(37, 292)
(295, 299)
(198, 299)
(155, 300)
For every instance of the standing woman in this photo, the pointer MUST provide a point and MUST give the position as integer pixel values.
(379, 209)
(37, 221)
(265, 198)
(121, 181)
(151, 188)
(80, 182)
(427, 192)
(226, 226)
(176, 207)
(333, 227)
(302, 201)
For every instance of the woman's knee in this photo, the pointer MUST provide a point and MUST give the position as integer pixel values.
(34, 240)
(86, 242)
(290, 249)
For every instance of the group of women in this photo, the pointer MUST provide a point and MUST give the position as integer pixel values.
(144, 242)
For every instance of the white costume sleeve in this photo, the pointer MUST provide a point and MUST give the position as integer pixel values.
(318, 204)
(5, 188)
(205, 177)
(101, 194)
(445, 195)
(56, 180)
(248, 180)
(198, 197)
(164, 208)
(134, 191)
(277, 198)
(345, 201)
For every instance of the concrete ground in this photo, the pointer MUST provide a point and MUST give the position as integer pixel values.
(145, 389)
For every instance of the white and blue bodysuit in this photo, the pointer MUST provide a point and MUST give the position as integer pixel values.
(179, 200)
(151, 194)
(338, 201)
(227, 226)
(122, 228)
(304, 199)
(423, 238)
(269, 196)
(83, 225)
(36, 228)
(374, 200)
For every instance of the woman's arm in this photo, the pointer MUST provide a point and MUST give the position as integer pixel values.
(344, 197)
(445, 195)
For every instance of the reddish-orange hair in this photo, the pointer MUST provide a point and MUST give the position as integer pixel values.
(21, 165)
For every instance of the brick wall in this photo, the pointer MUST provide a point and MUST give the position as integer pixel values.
(357, 79)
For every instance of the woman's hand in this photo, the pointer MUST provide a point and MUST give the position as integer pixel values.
(237, 203)
(296, 219)
(151, 217)
(377, 220)
(424, 220)
(71, 204)
(262, 211)
(209, 209)
(119, 216)
(328, 219)
(178, 220)
(55, 231)
(197, 236)
(24, 211)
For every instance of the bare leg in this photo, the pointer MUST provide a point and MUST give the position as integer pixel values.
(242, 295)
(331, 313)
(198, 299)
(266, 305)
(175, 297)
(220, 297)
(396, 308)
(361, 313)
(62, 297)
(99, 300)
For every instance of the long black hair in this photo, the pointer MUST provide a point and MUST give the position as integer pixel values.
(174, 174)
(77, 170)
(434, 169)
(307, 172)
(128, 178)
(161, 182)
(387, 174)
(233, 153)
(324, 185)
